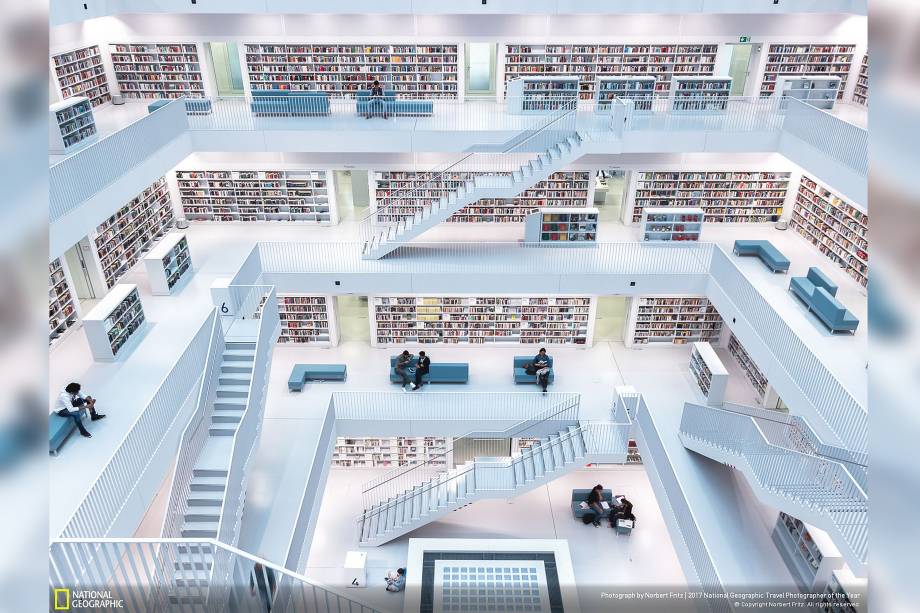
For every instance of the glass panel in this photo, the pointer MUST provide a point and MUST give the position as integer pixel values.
(225, 60)
(480, 68)
(738, 69)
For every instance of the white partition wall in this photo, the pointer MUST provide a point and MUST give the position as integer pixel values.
(114, 325)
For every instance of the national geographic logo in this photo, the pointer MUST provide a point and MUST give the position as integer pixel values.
(65, 599)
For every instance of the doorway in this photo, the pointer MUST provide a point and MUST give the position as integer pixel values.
(228, 75)
(480, 69)
(354, 324)
(609, 193)
(739, 67)
(610, 319)
(467, 449)
(88, 284)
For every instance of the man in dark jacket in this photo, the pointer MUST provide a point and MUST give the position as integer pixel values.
(403, 364)
(424, 363)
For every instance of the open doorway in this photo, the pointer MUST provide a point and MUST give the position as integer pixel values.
(88, 284)
(739, 67)
(610, 319)
(610, 193)
(352, 194)
(479, 61)
(353, 319)
(225, 62)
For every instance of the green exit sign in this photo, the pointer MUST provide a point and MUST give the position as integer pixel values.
(744, 39)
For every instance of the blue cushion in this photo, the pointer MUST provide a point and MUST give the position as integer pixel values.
(198, 106)
(157, 104)
(59, 428)
(833, 314)
(522, 360)
(301, 373)
(520, 374)
(438, 372)
(802, 287)
(768, 254)
(819, 279)
(579, 496)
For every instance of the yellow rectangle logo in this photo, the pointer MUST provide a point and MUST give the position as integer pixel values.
(62, 594)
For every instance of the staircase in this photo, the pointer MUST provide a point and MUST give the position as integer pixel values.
(565, 146)
(816, 489)
(550, 457)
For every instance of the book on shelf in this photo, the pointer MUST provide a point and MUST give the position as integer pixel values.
(306, 319)
(114, 321)
(157, 70)
(673, 319)
(62, 307)
(816, 59)
(80, 72)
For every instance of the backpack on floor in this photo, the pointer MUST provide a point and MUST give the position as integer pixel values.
(588, 518)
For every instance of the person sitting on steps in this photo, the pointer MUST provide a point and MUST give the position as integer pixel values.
(424, 363)
(71, 402)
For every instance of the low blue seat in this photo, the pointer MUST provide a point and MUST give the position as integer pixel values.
(768, 254)
(438, 372)
(579, 496)
(59, 428)
(817, 292)
(390, 105)
(193, 106)
(520, 373)
(289, 103)
(301, 373)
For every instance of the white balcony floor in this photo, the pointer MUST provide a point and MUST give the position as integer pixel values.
(125, 387)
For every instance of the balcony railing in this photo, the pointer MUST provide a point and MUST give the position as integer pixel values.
(833, 137)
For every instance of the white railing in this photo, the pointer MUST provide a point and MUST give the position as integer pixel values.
(607, 439)
(246, 437)
(738, 114)
(833, 137)
(194, 436)
(116, 485)
(88, 171)
(818, 484)
(830, 398)
(141, 573)
(489, 258)
(674, 503)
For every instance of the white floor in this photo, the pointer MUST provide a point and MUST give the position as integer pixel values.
(599, 557)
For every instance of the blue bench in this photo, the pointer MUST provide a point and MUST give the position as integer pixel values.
(193, 106)
(390, 105)
(768, 254)
(59, 429)
(580, 496)
(315, 372)
(817, 292)
(289, 103)
(520, 374)
(438, 372)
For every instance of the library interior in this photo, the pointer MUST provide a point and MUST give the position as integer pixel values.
(451, 307)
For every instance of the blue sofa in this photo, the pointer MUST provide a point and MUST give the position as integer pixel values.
(579, 496)
(59, 429)
(302, 373)
(521, 376)
(392, 106)
(439, 372)
(289, 103)
(817, 292)
(193, 106)
(768, 254)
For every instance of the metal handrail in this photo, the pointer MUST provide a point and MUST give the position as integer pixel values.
(568, 404)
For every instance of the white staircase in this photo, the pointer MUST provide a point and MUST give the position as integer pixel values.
(814, 488)
(385, 239)
(550, 457)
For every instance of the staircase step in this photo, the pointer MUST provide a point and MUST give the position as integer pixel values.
(537, 457)
(191, 599)
(239, 355)
(199, 529)
(549, 464)
(203, 516)
(205, 499)
(222, 430)
(556, 448)
(235, 345)
(232, 391)
(518, 472)
(229, 404)
(180, 580)
(578, 440)
(528, 463)
(209, 472)
(189, 562)
(195, 549)
(238, 366)
(242, 379)
(227, 417)
(568, 447)
(208, 484)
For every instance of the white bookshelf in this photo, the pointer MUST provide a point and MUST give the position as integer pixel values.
(709, 372)
(837, 228)
(564, 189)
(476, 320)
(541, 94)
(672, 224)
(80, 72)
(639, 89)
(168, 263)
(120, 240)
(753, 374)
(809, 59)
(820, 91)
(391, 451)
(411, 70)
(63, 312)
(861, 90)
(593, 60)
(113, 323)
(562, 227)
(700, 93)
(72, 124)
(157, 70)
(809, 552)
(672, 320)
(305, 196)
(724, 196)
(307, 319)
(845, 593)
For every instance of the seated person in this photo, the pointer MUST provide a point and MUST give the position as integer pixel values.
(541, 364)
(396, 581)
(622, 511)
(376, 105)
(71, 402)
(424, 363)
(595, 500)
(403, 363)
